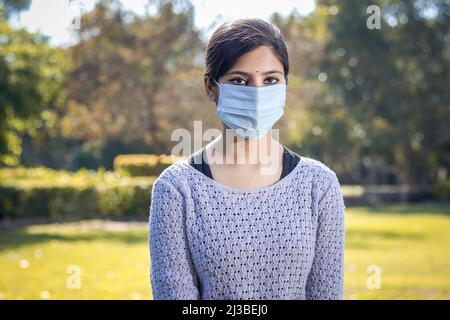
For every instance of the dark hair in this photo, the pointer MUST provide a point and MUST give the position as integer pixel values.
(235, 38)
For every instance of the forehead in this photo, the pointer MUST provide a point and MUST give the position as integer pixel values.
(261, 59)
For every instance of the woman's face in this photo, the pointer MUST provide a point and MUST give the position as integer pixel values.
(257, 68)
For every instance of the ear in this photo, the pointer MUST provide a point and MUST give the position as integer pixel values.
(211, 90)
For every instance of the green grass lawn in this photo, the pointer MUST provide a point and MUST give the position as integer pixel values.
(409, 244)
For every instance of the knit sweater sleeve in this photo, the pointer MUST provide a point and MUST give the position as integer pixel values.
(172, 275)
(326, 278)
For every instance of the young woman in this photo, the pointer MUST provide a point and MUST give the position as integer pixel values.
(223, 226)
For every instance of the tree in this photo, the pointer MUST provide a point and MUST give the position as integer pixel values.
(10, 7)
(31, 82)
(121, 65)
(315, 124)
(394, 81)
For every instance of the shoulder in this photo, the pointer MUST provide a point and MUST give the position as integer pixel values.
(319, 170)
(174, 177)
(175, 170)
(322, 177)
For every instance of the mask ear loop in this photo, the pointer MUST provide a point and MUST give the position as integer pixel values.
(218, 85)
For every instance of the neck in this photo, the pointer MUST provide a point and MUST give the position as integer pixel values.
(230, 148)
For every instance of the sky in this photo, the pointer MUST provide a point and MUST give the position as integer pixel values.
(55, 18)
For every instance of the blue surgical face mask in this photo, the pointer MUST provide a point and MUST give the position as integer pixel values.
(251, 111)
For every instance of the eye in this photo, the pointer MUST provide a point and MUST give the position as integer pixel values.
(238, 81)
(272, 80)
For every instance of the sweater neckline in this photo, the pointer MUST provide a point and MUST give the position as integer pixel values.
(219, 185)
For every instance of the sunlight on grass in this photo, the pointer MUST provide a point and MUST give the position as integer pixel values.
(113, 259)
(410, 245)
(411, 248)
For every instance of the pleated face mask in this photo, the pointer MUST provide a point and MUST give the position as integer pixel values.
(251, 111)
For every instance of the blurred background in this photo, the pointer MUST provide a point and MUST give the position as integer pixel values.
(90, 92)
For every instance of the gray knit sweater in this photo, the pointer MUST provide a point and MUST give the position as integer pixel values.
(283, 241)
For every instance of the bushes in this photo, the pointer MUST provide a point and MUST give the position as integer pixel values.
(37, 192)
(45, 192)
(135, 165)
(442, 189)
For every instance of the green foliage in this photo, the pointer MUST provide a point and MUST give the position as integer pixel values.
(371, 104)
(442, 189)
(31, 80)
(9, 7)
(46, 192)
(121, 65)
(393, 82)
(135, 165)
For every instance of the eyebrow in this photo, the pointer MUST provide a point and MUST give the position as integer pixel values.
(248, 74)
